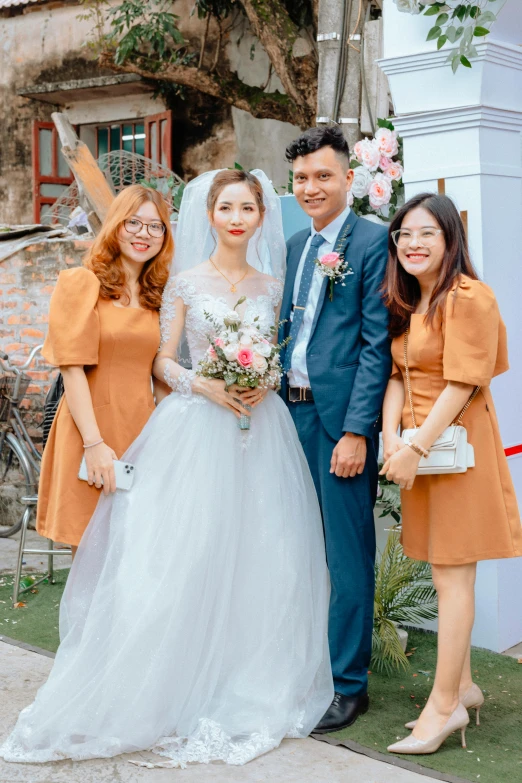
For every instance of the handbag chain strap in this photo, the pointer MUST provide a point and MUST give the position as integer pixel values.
(457, 421)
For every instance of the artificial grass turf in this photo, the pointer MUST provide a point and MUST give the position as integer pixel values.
(36, 623)
(494, 752)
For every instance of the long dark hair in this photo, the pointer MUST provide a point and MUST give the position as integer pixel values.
(401, 290)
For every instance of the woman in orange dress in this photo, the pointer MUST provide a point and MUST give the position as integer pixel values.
(449, 324)
(103, 335)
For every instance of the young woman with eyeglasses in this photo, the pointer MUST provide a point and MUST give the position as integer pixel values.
(448, 324)
(104, 335)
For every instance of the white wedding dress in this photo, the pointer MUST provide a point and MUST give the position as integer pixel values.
(194, 620)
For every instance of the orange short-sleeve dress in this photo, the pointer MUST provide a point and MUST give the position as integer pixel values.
(117, 346)
(460, 518)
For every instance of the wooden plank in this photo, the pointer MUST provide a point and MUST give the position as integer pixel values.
(96, 194)
(464, 218)
(441, 185)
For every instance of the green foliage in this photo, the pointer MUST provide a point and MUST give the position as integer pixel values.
(475, 22)
(170, 188)
(404, 593)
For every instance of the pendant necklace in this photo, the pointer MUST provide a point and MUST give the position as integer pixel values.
(232, 285)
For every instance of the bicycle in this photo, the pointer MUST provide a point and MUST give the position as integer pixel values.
(19, 458)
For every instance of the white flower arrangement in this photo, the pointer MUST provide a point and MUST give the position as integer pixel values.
(377, 187)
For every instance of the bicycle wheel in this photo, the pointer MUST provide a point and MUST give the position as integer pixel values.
(16, 482)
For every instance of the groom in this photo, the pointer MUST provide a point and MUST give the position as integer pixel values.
(336, 368)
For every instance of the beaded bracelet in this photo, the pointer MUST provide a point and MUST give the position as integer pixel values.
(418, 449)
(90, 445)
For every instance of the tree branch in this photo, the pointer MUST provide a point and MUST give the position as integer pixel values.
(273, 26)
(228, 88)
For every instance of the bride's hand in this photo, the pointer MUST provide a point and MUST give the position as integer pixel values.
(249, 396)
(216, 391)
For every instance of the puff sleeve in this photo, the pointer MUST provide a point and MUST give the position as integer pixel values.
(74, 328)
(475, 343)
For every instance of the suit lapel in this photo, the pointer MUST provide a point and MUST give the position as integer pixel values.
(352, 218)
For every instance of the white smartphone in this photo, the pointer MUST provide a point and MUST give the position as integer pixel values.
(124, 472)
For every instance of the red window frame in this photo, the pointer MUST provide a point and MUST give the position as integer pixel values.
(163, 147)
(40, 179)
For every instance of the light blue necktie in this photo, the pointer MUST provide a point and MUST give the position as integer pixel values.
(302, 297)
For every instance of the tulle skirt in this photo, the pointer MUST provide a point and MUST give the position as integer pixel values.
(194, 620)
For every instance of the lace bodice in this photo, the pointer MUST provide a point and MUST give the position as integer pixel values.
(201, 294)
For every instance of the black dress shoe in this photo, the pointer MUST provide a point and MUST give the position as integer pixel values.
(342, 712)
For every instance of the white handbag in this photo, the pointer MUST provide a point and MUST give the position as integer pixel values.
(451, 452)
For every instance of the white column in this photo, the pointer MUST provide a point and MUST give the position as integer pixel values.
(465, 129)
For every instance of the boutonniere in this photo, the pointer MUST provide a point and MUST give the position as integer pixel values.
(334, 265)
(335, 268)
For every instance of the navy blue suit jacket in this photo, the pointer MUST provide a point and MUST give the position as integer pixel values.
(348, 355)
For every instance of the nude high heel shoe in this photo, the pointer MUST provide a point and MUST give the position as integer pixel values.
(459, 719)
(473, 699)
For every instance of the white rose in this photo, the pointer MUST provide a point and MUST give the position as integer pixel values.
(408, 6)
(232, 319)
(230, 352)
(259, 363)
(245, 340)
(380, 191)
(263, 349)
(387, 143)
(362, 180)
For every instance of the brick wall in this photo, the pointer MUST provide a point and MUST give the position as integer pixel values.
(27, 280)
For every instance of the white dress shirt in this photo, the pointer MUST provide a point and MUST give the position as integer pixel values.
(298, 373)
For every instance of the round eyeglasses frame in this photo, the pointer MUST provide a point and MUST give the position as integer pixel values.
(135, 230)
(415, 235)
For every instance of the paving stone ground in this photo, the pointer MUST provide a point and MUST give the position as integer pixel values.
(295, 761)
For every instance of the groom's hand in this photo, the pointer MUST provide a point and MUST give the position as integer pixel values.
(349, 456)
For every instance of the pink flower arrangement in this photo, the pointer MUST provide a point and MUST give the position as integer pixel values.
(377, 186)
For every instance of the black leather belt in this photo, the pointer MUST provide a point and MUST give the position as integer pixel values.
(300, 394)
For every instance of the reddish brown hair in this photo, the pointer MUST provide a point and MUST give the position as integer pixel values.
(235, 177)
(103, 258)
(401, 290)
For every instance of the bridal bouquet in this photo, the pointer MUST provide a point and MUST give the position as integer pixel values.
(241, 354)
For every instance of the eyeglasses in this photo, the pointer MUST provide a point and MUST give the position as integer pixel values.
(426, 237)
(134, 226)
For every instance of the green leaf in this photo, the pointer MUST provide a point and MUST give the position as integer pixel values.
(384, 123)
(465, 61)
(442, 40)
(479, 31)
(434, 33)
(433, 10)
(451, 34)
(238, 166)
(487, 16)
(474, 12)
(442, 19)
(354, 164)
(455, 62)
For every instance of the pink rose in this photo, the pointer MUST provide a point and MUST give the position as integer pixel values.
(349, 199)
(219, 342)
(394, 171)
(380, 191)
(330, 260)
(367, 153)
(212, 354)
(245, 357)
(384, 163)
(387, 142)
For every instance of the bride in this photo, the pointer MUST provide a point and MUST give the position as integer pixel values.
(194, 620)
